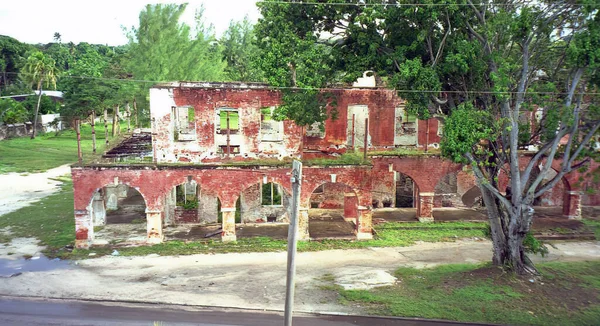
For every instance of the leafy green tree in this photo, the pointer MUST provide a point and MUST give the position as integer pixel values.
(240, 52)
(11, 59)
(293, 57)
(164, 49)
(47, 105)
(82, 85)
(12, 111)
(486, 65)
(39, 69)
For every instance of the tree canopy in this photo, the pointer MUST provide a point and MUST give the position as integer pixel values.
(164, 49)
(484, 66)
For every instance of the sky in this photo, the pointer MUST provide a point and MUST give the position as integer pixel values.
(102, 21)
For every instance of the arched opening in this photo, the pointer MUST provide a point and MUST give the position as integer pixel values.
(264, 203)
(119, 214)
(183, 204)
(406, 191)
(333, 211)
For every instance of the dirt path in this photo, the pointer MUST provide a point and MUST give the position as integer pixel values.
(19, 189)
(250, 280)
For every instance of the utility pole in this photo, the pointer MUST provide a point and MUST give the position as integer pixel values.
(78, 131)
(292, 242)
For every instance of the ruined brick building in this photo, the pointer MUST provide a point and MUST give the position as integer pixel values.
(217, 154)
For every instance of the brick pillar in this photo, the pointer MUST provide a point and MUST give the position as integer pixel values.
(154, 226)
(228, 226)
(364, 224)
(425, 207)
(572, 205)
(303, 224)
(84, 229)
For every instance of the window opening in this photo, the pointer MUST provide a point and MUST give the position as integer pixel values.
(271, 194)
(233, 121)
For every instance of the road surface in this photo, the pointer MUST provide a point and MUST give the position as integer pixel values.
(14, 311)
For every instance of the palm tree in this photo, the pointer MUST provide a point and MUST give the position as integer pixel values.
(39, 69)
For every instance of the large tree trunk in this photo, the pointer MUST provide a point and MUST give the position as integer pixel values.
(37, 109)
(497, 227)
(509, 230)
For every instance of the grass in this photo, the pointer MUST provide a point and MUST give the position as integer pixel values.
(52, 221)
(567, 294)
(593, 224)
(48, 150)
(402, 151)
(389, 235)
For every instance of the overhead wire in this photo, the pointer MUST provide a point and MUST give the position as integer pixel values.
(327, 89)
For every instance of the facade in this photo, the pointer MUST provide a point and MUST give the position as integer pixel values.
(220, 157)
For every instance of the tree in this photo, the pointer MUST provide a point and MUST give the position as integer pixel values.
(12, 111)
(163, 49)
(11, 57)
(240, 52)
(39, 69)
(484, 65)
(535, 55)
(292, 57)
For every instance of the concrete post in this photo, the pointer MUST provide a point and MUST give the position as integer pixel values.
(572, 205)
(303, 224)
(228, 225)
(425, 207)
(364, 223)
(84, 229)
(154, 226)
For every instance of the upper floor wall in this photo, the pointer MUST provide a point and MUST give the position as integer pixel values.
(206, 122)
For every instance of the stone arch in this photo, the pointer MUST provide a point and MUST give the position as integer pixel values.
(182, 202)
(406, 190)
(121, 209)
(255, 208)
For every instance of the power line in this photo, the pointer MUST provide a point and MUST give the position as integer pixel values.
(328, 89)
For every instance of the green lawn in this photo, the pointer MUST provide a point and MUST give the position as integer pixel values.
(49, 150)
(566, 294)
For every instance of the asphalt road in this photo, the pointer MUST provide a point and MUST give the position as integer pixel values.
(16, 311)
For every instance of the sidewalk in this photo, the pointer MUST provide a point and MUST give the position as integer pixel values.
(251, 280)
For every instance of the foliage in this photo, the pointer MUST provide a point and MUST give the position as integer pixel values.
(12, 111)
(164, 49)
(534, 246)
(464, 131)
(292, 57)
(11, 59)
(47, 104)
(240, 52)
(39, 69)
